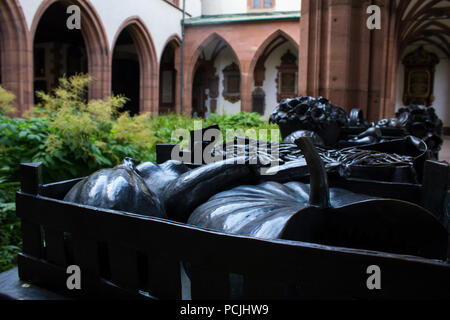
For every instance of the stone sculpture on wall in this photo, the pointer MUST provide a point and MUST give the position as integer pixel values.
(419, 77)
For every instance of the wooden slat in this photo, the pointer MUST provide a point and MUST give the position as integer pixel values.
(331, 269)
(86, 257)
(261, 289)
(391, 190)
(209, 285)
(31, 239)
(435, 185)
(30, 177)
(41, 273)
(164, 278)
(54, 278)
(124, 269)
(55, 251)
(57, 190)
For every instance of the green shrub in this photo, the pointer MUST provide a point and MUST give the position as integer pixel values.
(73, 138)
(243, 121)
(6, 99)
(87, 136)
(10, 240)
(20, 141)
(163, 126)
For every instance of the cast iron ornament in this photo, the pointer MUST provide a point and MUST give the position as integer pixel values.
(317, 214)
(331, 123)
(120, 188)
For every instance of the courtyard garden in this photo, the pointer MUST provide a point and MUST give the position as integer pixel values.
(73, 138)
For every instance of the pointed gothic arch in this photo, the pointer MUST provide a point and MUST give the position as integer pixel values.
(170, 76)
(194, 63)
(266, 43)
(16, 54)
(95, 40)
(257, 71)
(148, 62)
(210, 38)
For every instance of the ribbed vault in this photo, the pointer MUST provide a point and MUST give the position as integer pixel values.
(425, 22)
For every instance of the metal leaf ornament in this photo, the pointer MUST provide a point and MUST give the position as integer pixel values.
(319, 214)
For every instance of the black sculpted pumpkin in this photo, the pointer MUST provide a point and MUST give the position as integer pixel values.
(317, 214)
(196, 186)
(120, 188)
(157, 177)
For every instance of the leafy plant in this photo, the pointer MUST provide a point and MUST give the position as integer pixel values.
(10, 240)
(240, 122)
(86, 136)
(6, 99)
(21, 140)
(73, 138)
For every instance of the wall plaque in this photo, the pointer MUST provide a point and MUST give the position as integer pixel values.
(287, 77)
(419, 77)
(232, 83)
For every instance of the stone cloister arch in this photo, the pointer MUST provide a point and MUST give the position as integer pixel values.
(148, 62)
(220, 44)
(170, 61)
(257, 70)
(16, 54)
(95, 40)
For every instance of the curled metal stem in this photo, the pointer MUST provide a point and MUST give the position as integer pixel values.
(319, 194)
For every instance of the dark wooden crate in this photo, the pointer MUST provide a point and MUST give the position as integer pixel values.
(128, 256)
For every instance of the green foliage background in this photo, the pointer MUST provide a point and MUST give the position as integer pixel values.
(73, 138)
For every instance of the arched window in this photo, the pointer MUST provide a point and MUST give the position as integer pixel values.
(232, 83)
(287, 77)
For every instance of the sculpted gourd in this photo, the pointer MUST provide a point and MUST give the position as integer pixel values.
(315, 213)
(157, 177)
(120, 188)
(195, 187)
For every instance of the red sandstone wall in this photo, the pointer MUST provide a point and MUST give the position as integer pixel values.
(247, 40)
(341, 59)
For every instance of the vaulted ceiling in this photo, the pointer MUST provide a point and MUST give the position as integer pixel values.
(424, 22)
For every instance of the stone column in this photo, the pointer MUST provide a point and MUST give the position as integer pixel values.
(246, 87)
(341, 59)
(16, 55)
